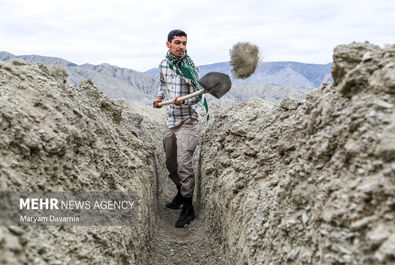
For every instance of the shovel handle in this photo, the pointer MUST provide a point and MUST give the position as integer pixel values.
(192, 95)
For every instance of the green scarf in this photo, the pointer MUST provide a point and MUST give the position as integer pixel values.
(185, 67)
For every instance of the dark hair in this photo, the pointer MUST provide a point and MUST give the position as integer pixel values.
(175, 32)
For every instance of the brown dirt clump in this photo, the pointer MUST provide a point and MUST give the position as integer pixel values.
(244, 59)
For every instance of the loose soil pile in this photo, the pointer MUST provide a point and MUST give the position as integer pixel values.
(308, 182)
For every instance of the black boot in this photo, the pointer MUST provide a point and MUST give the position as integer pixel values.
(177, 200)
(187, 213)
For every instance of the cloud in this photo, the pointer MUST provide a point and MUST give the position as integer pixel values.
(133, 33)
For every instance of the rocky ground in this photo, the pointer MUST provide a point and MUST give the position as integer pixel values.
(308, 182)
(56, 137)
(303, 182)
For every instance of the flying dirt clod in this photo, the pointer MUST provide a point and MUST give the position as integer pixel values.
(244, 58)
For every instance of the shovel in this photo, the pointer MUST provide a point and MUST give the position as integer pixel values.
(217, 84)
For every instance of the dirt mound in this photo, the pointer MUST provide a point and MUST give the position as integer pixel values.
(303, 182)
(56, 137)
(307, 182)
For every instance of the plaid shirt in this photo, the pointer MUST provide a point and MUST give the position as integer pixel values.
(174, 85)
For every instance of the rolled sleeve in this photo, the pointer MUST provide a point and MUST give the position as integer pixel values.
(162, 87)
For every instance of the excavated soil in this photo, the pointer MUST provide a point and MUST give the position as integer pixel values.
(304, 182)
(56, 137)
(308, 182)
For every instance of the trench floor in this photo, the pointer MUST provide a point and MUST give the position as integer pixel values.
(196, 244)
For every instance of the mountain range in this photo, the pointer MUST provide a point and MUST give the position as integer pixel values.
(295, 74)
(272, 81)
(114, 81)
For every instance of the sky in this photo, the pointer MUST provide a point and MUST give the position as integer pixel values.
(133, 34)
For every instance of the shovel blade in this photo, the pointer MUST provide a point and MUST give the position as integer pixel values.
(217, 84)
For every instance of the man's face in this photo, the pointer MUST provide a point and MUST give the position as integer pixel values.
(177, 45)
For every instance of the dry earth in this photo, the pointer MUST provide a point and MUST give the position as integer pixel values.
(303, 182)
(308, 182)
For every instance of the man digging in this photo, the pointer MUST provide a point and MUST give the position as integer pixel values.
(178, 77)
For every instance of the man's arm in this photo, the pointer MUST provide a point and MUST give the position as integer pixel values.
(162, 89)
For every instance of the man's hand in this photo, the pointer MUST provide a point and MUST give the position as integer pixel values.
(157, 101)
(177, 103)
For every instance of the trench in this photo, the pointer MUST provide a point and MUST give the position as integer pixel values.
(196, 244)
(266, 174)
